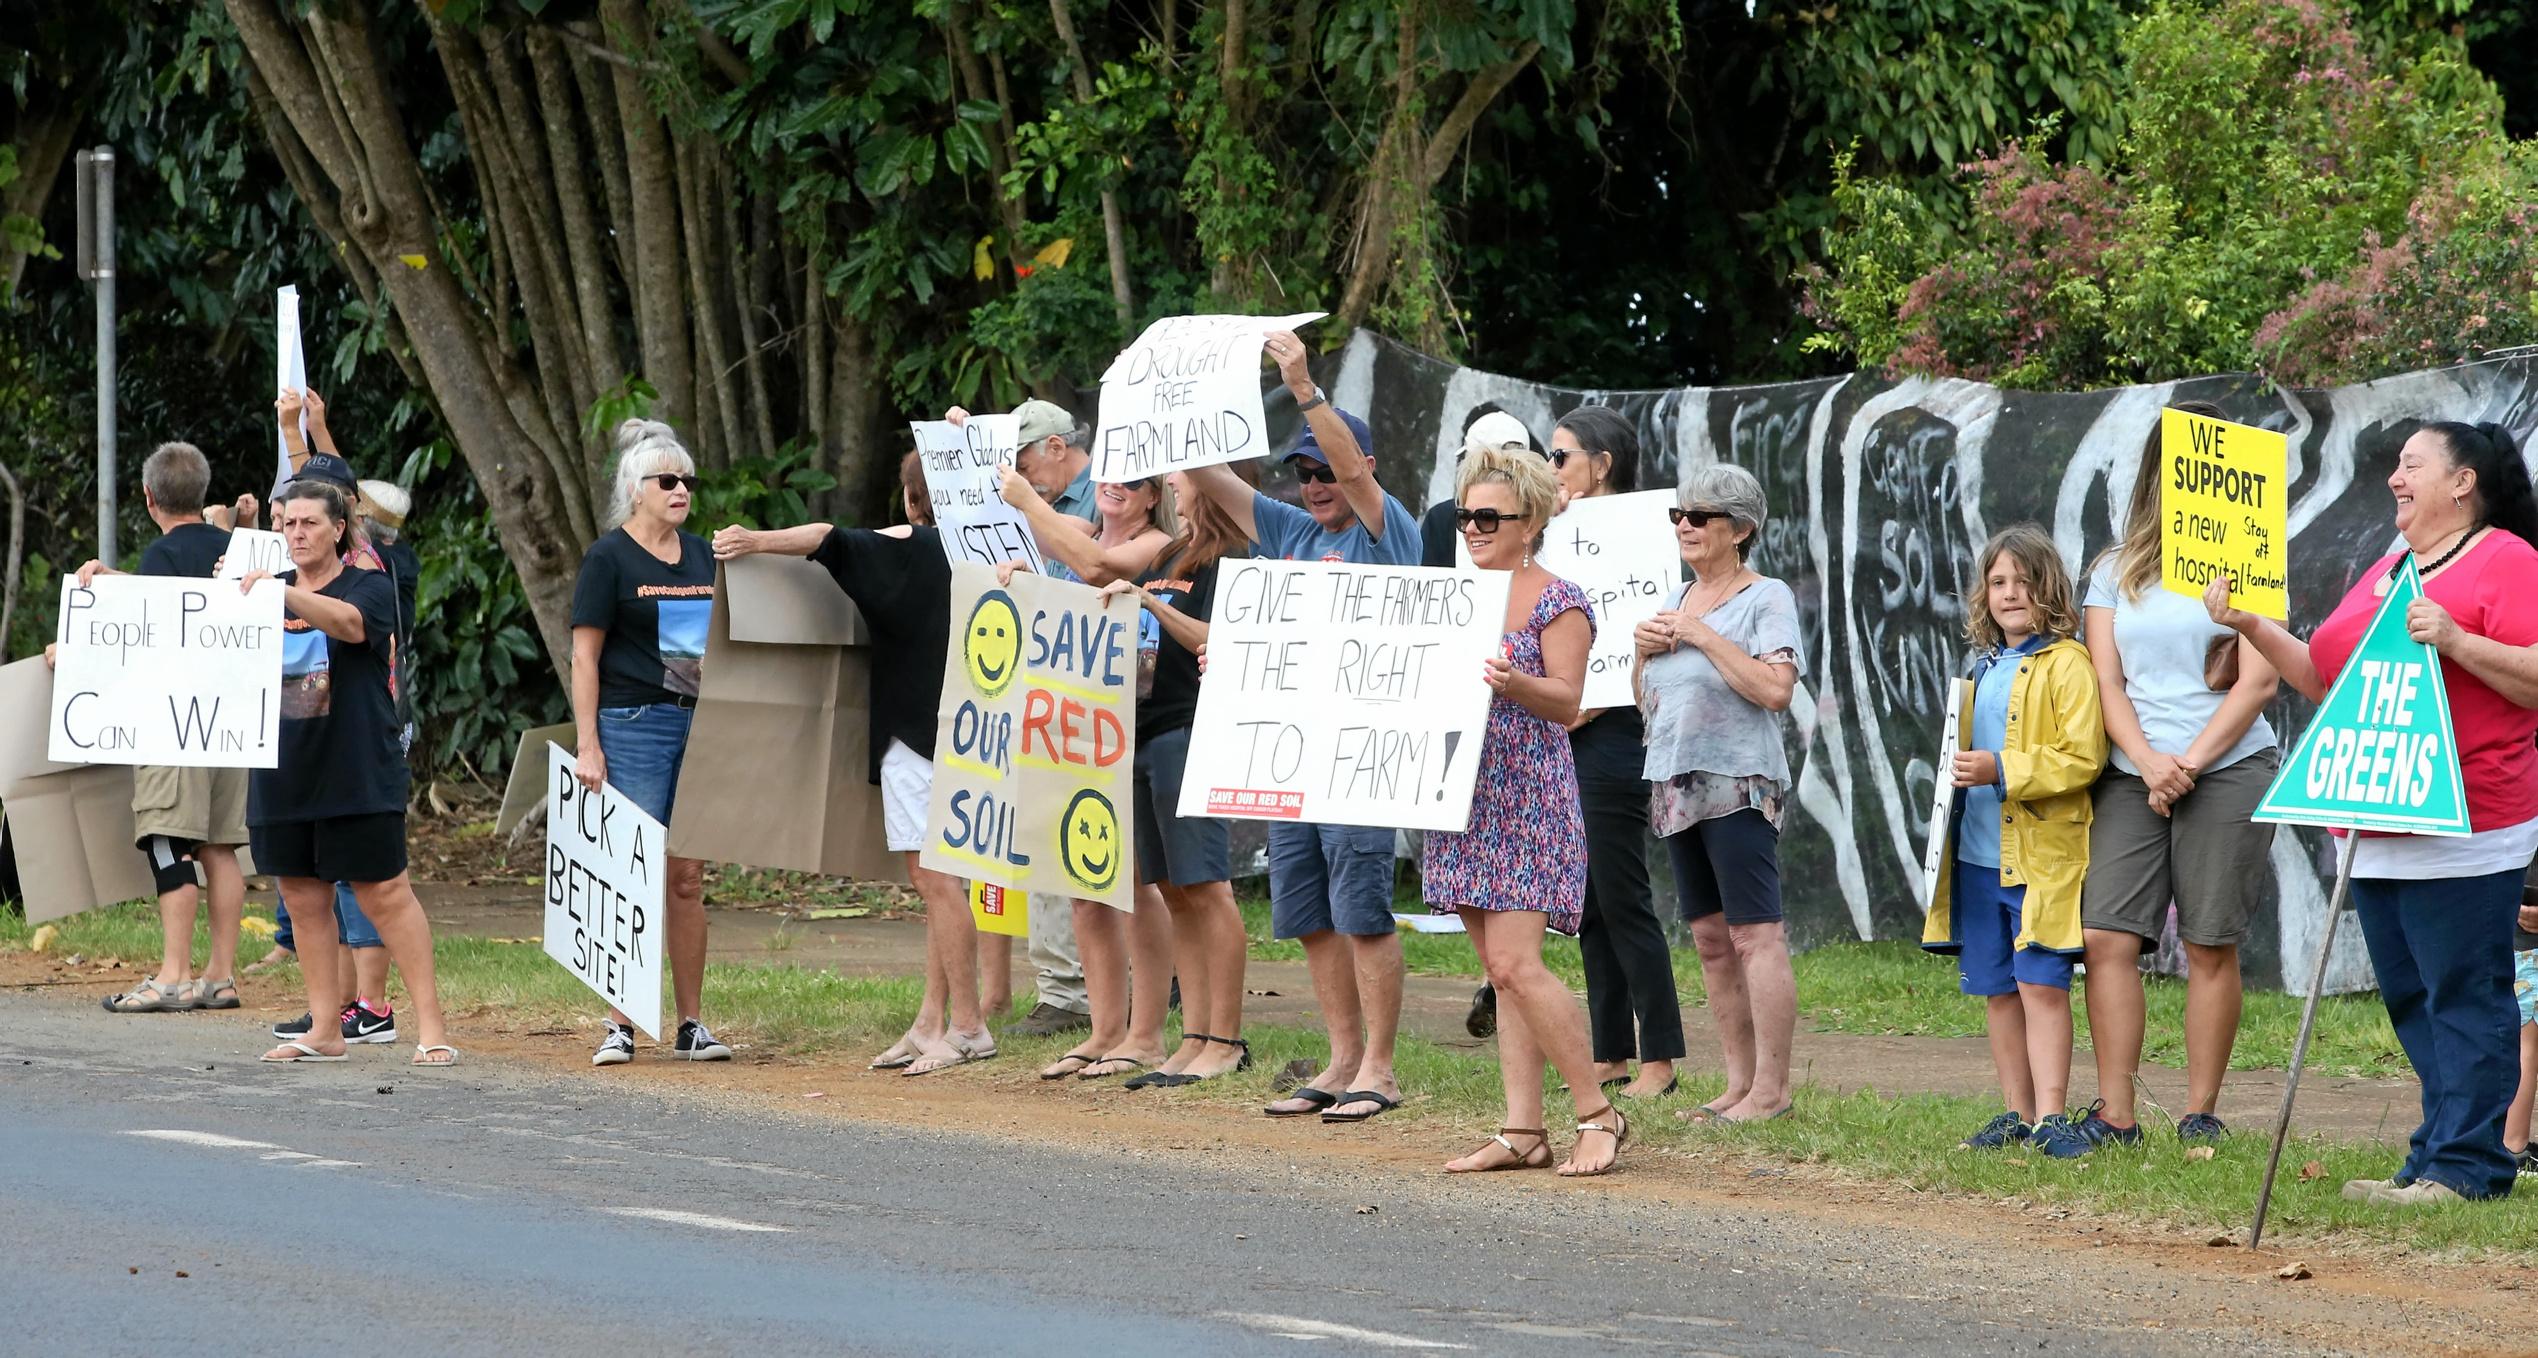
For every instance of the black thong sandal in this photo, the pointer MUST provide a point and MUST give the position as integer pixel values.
(1243, 1064)
(1315, 1099)
(1382, 1104)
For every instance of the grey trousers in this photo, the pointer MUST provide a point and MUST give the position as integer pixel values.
(1053, 955)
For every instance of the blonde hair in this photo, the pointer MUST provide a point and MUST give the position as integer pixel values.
(1524, 474)
(644, 448)
(2048, 586)
(2136, 553)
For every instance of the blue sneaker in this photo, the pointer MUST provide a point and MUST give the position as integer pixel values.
(2201, 1127)
(2058, 1137)
(2097, 1131)
(2006, 1130)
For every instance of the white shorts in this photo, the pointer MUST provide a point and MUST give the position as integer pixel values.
(907, 784)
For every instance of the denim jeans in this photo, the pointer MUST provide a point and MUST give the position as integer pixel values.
(2443, 951)
(351, 926)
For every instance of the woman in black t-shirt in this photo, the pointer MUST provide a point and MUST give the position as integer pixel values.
(641, 609)
(332, 809)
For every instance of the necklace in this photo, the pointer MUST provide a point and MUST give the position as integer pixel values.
(2445, 557)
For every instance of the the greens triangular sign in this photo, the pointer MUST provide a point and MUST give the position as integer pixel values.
(2379, 754)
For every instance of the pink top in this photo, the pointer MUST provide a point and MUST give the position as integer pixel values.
(2493, 592)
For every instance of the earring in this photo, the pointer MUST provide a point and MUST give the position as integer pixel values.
(2458, 502)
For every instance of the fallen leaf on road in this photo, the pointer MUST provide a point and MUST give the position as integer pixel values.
(816, 1094)
(183, 1274)
(841, 912)
(387, 1089)
(2223, 1242)
(2312, 1170)
(1368, 1210)
(2199, 1153)
(2293, 1272)
(134, 1270)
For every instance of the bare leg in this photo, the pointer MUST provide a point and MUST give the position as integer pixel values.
(1190, 965)
(1334, 969)
(1730, 1010)
(685, 900)
(313, 937)
(228, 895)
(1101, 941)
(1207, 931)
(1149, 939)
(1376, 961)
(370, 975)
(2117, 1015)
(2048, 1013)
(176, 937)
(1519, 1058)
(995, 970)
(2214, 994)
(2005, 1023)
(2516, 1120)
(1771, 997)
(398, 916)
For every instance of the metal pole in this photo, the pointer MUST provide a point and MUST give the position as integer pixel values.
(2300, 1045)
(104, 162)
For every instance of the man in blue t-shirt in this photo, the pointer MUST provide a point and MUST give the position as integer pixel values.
(1330, 886)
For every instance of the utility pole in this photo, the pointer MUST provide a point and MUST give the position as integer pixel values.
(96, 179)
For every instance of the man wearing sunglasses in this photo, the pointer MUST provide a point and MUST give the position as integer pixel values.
(1330, 886)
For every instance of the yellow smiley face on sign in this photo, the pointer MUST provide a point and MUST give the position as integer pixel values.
(1090, 844)
(991, 646)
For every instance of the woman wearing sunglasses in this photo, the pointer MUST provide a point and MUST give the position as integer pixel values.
(641, 610)
(1519, 867)
(1715, 673)
(1631, 1009)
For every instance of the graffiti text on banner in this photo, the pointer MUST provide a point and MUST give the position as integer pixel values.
(1186, 393)
(161, 670)
(961, 462)
(1035, 732)
(1345, 695)
(605, 891)
(2224, 493)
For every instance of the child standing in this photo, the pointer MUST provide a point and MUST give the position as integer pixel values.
(2009, 909)
(2525, 987)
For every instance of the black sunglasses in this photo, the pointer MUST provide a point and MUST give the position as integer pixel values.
(672, 481)
(1310, 472)
(1486, 520)
(1698, 518)
(1560, 456)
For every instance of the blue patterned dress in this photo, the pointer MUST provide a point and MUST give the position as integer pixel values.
(1526, 845)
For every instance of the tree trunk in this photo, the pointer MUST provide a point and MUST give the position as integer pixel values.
(43, 141)
(17, 556)
(1114, 231)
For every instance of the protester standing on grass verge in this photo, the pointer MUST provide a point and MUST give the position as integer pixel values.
(2437, 912)
(1188, 858)
(1330, 886)
(2192, 754)
(902, 582)
(1631, 1008)
(1715, 673)
(1519, 866)
(333, 807)
(641, 611)
(2525, 989)
(1126, 956)
(2034, 740)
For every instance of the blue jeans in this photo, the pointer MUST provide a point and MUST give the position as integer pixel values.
(351, 926)
(644, 747)
(2443, 951)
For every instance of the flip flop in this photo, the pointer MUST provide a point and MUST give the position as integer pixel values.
(1767, 1117)
(421, 1051)
(1382, 1104)
(1080, 1060)
(1696, 1116)
(898, 1057)
(1087, 1072)
(1318, 1098)
(963, 1054)
(306, 1055)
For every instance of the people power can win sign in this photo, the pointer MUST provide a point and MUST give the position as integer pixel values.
(1037, 728)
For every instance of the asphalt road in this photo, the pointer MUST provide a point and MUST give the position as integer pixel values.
(487, 1210)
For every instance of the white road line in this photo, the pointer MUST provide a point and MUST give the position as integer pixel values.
(697, 1219)
(214, 1140)
(1297, 1327)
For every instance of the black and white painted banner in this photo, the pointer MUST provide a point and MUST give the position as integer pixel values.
(1880, 491)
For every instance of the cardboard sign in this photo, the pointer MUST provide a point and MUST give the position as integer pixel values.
(961, 461)
(776, 774)
(1038, 727)
(290, 373)
(163, 670)
(524, 792)
(996, 910)
(2224, 501)
(70, 826)
(1186, 393)
(2379, 754)
(253, 549)
(1620, 549)
(1934, 858)
(606, 870)
(1344, 695)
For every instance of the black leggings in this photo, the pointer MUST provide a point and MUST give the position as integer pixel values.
(1630, 1002)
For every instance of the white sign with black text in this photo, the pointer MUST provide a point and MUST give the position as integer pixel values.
(606, 869)
(253, 549)
(1620, 549)
(1185, 393)
(157, 669)
(1344, 695)
(961, 462)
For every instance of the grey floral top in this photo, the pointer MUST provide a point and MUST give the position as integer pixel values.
(1711, 752)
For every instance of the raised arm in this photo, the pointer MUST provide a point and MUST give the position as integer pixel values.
(1348, 462)
(1072, 541)
(736, 541)
(1219, 483)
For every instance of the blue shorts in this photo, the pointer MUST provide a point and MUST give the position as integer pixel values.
(1326, 877)
(2525, 984)
(352, 928)
(1987, 921)
(644, 747)
(1173, 848)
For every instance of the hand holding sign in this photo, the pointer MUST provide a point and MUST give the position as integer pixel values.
(1186, 393)
(166, 670)
(2223, 501)
(2431, 624)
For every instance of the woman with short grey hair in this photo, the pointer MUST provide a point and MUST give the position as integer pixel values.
(1715, 672)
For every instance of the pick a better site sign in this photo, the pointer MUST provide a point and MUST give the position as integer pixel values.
(605, 873)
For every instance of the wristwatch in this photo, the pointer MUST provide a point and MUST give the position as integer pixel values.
(1318, 399)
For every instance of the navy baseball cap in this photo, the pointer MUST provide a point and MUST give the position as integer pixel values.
(328, 467)
(1308, 446)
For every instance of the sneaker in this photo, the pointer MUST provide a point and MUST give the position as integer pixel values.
(2060, 1138)
(298, 1027)
(2201, 1127)
(363, 1025)
(2006, 1130)
(2420, 1193)
(1047, 1020)
(2527, 1160)
(1483, 1018)
(2097, 1131)
(695, 1043)
(616, 1048)
(2362, 1190)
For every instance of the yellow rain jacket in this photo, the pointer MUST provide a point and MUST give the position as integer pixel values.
(2055, 748)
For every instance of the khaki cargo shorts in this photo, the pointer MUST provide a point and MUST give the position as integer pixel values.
(202, 806)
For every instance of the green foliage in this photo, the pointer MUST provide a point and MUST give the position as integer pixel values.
(477, 676)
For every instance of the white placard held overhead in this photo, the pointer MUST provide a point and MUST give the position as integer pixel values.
(253, 549)
(1343, 694)
(1620, 549)
(290, 373)
(1186, 393)
(605, 902)
(961, 462)
(165, 670)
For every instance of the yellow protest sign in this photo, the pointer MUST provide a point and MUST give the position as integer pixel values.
(2223, 502)
(996, 910)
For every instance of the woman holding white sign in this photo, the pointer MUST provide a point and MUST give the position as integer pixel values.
(2437, 911)
(1631, 1009)
(1520, 867)
(332, 809)
(1715, 673)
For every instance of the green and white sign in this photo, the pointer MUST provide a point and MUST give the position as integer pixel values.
(2379, 754)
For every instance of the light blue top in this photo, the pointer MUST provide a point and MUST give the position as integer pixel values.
(1288, 533)
(2162, 638)
(1995, 675)
(1697, 722)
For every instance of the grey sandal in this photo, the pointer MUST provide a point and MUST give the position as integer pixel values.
(210, 994)
(149, 998)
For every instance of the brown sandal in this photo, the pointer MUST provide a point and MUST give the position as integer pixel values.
(1523, 1160)
(1593, 1122)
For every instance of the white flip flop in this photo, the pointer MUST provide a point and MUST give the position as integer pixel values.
(307, 1055)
